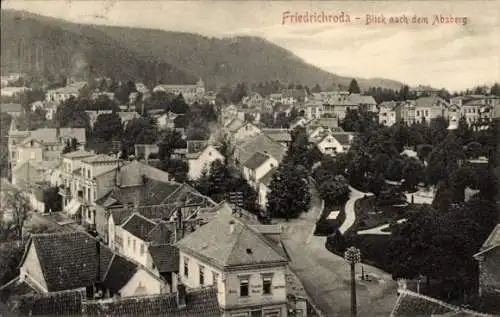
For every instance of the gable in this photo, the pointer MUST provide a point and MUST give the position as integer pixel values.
(31, 265)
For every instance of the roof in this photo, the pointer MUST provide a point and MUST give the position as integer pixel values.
(165, 257)
(128, 115)
(389, 104)
(256, 160)
(78, 154)
(139, 226)
(77, 133)
(234, 125)
(430, 101)
(133, 174)
(261, 143)
(63, 304)
(491, 243)
(45, 135)
(119, 272)
(267, 178)
(199, 303)
(331, 123)
(278, 135)
(99, 158)
(360, 99)
(410, 304)
(69, 260)
(344, 138)
(294, 93)
(223, 247)
(11, 107)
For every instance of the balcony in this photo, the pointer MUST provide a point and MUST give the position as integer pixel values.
(64, 191)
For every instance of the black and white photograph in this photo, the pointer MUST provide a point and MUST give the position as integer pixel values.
(222, 158)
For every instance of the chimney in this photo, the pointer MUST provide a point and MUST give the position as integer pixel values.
(231, 226)
(181, 296)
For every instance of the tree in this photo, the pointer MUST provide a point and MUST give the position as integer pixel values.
(249, 117)
(376, 183)
(239, 92)
(354, 87)
(495, 89)
(171, 140)
(334, 190)
(177, 168)
(179, 105)
(289, 193)
(52, 199)
(19, 207)
(438, 129)
(413, 171)
(108, 127)
(267, 119)
(71, 114)
(316, 88)
(138, 131)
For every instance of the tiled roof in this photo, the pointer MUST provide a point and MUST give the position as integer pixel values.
(60, 304)
(78, 154)
(261, 143)
(10, 107)
(139, 226)
(151, 193)
(226, 241)
(165, 257)
(410, 304)
(45, 135)
(268, 177)
(294, 93)
(199, 303)
(119, 272)
(234, 125)
(256, 160)
(68, 260)
(120, 215)
(278, 135)
(330, 123)
(133, 174)
(430, 101)
(164, 232)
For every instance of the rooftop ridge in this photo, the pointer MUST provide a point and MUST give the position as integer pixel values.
(442, 303)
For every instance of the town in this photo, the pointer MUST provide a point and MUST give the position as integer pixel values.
(121, 197)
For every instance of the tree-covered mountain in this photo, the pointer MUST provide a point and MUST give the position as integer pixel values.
(164, 56)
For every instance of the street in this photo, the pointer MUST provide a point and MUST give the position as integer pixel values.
(326, 276)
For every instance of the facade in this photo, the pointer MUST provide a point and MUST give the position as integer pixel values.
(248, 271)
(282, 136)
(43, 144)
(241, 130)
(189, 92)
(390, 112)
(428, 108)
(13, 109)
(264, 190)
(488, 259)
(253, 100)
(64, 93)
(200, 159)
(311, 110)
(257, 166)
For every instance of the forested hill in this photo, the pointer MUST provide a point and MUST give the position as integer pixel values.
(135, 52)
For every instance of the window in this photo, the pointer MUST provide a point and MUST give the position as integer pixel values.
(418, 113)
(426, 113)
(266, 285)
(202, 275)
(133, 245)
(186, 267)
(128, 242)
(215, 278)
(142, 248)
(256, 313)
(88, 173)
(244, 287)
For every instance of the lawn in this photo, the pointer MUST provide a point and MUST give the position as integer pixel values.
(370, 215)
(325, 226)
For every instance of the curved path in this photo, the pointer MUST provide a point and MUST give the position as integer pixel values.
(380, 229)
(350, 214)
(326, 276)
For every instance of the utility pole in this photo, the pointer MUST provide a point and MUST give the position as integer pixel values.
(352, 255)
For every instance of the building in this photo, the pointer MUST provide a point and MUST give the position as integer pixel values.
(127, 116)
(144, 151)
(41, 144)
(282, 136)
(260, 143)
(390, 113)
(189, 92)
(241, 130)
(247, 268)
(64, 93)
(414, 304)
(13, 91)
(200, 155)
(69, 261)
(488, 259)
(193, 303)
(264, 190)
(428, 108)
(293, 96)
(366, 103)
(7, 191)
(257, 166)
(93, 114)
(254, 100)
(338, 106)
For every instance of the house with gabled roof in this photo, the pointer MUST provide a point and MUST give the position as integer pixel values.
(282, 136)
(240, 130)
(389, 113)
(257, 166)
(428, 108)
(248, 269)
(260, 143)
(488, 259)
(200, 155)
(76, 261)
(253, 100)
(366, 103)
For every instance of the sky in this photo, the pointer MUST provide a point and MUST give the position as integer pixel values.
(454, 56)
